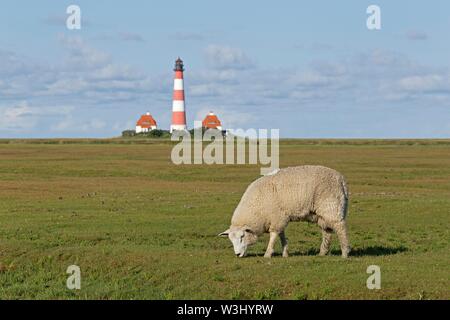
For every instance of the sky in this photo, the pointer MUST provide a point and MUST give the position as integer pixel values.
(311, 69)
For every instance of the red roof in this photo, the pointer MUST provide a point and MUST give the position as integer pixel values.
(146, 121)
(211, 121)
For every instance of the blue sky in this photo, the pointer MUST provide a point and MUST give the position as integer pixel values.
(308, 68)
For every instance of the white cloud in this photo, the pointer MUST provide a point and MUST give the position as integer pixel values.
(225, 57)
(209, 90)
(366, 79)
(71, 124)
(116, 72)
(94, 124)
(131, 37)
(66, 86)
(86, 74)
(311, 78)
(22, 116)
(230, 118)
(81, 55)
(430, 82)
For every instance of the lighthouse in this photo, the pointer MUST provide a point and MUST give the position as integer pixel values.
(178, 111)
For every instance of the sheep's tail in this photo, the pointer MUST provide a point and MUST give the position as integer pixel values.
(345, 189)
(346, 195)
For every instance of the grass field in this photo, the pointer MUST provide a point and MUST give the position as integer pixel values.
(140, 227)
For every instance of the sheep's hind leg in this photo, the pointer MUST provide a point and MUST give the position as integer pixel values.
(326, 242)
(284, 245)
(341, 230)
(270, 250)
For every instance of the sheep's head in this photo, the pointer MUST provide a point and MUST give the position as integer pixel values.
(241, 238)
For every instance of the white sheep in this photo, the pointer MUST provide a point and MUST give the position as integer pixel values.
(306, 193)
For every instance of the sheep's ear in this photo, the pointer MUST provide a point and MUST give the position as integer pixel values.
(225, 233)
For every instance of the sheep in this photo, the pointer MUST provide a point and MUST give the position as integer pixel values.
(315, 194)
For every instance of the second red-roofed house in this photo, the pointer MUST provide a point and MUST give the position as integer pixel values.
(145, 123)
(212, 122)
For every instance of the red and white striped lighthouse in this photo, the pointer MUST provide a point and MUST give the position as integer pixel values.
(178, 111)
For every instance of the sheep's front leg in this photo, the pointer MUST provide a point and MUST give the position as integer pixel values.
(270, 250)
(284, 244)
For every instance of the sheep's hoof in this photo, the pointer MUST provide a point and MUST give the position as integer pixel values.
(345, 253)
(268, 255)
(323, 253)
(285, 255)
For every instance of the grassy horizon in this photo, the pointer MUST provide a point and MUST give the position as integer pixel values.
(284, 141)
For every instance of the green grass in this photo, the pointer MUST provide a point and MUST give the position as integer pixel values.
(140, 227)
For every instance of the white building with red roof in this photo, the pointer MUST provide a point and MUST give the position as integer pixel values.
(146, 123)
(211, 122)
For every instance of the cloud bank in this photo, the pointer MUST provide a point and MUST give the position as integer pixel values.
(87, 93)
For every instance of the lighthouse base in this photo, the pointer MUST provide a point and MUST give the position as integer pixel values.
(180, 127)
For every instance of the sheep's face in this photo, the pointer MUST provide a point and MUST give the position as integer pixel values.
(241, 238)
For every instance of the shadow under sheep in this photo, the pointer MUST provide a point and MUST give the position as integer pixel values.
(355, 252)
